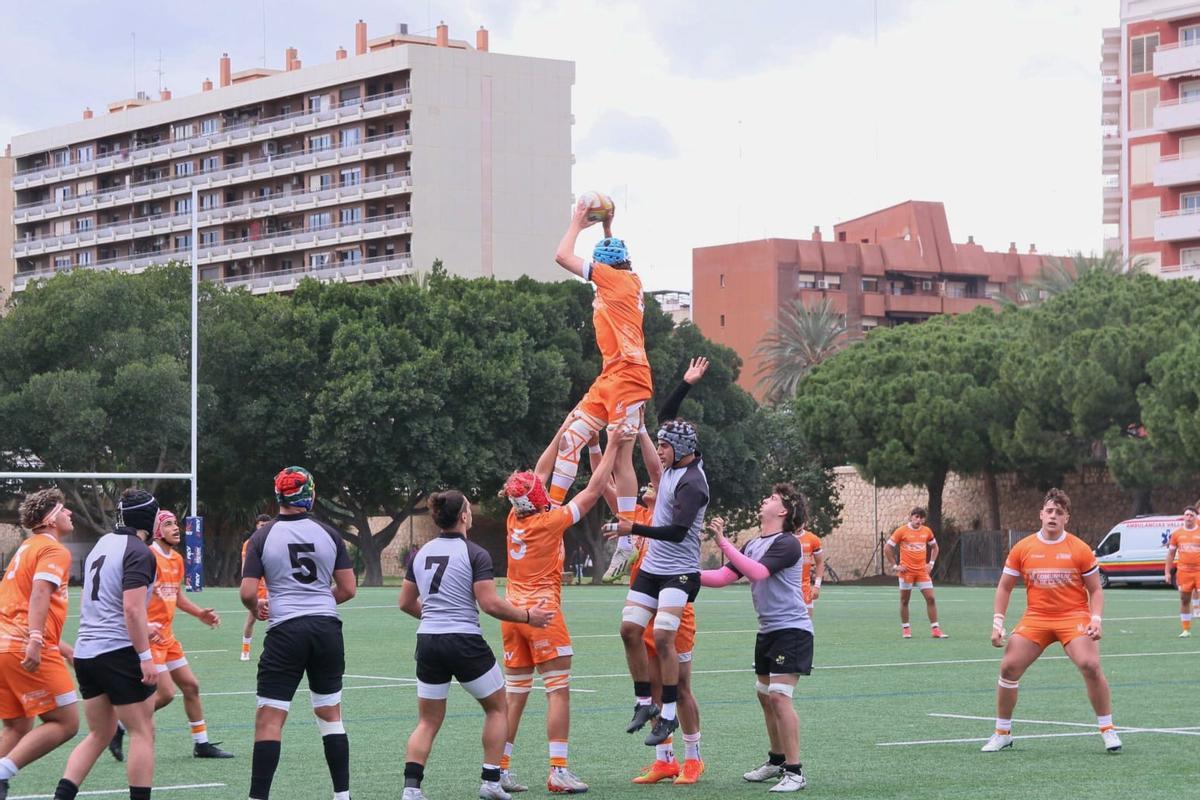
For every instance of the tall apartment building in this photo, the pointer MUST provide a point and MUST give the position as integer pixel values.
(368, 167)
(7, 265)
(890, 267)
(1150, 119)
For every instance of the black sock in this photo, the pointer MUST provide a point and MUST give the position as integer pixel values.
(65, 790)
(492, 775)
(414, 773)
(641, 688)
(775, 759)
(794, 768)
(337, 756)
(262, 769)
(670, 693)
(139, 793)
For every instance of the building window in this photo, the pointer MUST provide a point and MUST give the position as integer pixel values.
(183, 241)
(349, 257)
(1189, 36)
(869, 323)
(319, 183)
(1141, 54)
(322, 142)
(62, 262)
(84, 258)
(210, 164)
(722, 320)
(1142, 214)
(318, 260)
(185, 131)
(62, 157)
(1189, 202)
(722, 280)
(350, 216)
(349, 137)
(1143, 159)
(184, 168)
(1141, 109)
(209, 201)
(806, 281)
(832, 282)
(1189, 257)
(318, 102)
(352, 177)
(83, 224)
(62, 193)
(211, 125)
(993, 289)
(208, 238)
(183, 205)
(1189, 92)
(319, 221)
(85, 154)
(870, 284)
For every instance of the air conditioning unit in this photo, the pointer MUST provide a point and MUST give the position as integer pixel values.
(822, 284)
(926, 286)
(270, 147)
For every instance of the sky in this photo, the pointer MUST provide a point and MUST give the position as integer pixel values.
(708, 122)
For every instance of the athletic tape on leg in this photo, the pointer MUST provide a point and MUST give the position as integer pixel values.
(433, 691)
(760, 687)
(519, 684)
(486, 684)
(267, 702)
(557, 679)
(666, 621)
(1008, 684)
(327, 728)
(637, 615)
(781, 688)
(325, 700)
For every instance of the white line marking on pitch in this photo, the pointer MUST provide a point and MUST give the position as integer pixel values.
(98, 792)
(1185, 730)
(1182, 731)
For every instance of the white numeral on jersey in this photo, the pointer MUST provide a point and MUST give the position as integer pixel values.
(16, 562)
(516, 537)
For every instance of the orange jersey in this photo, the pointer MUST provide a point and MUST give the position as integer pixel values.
(641, 516)
(1053, 573)
(617, 315)
(166, 588)
(810, 545)
(41, 557)
(536, 555)
(262, 584)
(911, 545)
(1187, 547)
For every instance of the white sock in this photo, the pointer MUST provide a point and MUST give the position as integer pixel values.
(1104, 721)
(200, 736)
(668, 711)
(1185, 617)
(665, 751)
(341, 796)
(625, 544)
(7, 769)
(905, 625)
(933, 624)
(1004, 725)
(247, 640)
(691, 746)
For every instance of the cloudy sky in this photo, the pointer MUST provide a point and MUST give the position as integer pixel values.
(707, 121)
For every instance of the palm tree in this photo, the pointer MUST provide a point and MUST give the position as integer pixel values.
(1056, 277)
(803, 337)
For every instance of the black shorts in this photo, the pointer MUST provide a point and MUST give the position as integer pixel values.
(462, 656)
(648, 583)
(788, 651)
(117, 674)
(301, 645)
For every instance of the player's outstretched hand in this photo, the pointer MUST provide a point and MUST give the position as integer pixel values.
(579, 218)
(264, 609)
(696, 371)
(210, 617)
(149, 673)
(622, 435)
(540, 617)
(716, 526)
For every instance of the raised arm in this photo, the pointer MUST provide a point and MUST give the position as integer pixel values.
(695, 371)
(650, 458)
(565, 256)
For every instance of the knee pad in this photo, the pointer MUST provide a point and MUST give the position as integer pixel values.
(781, 688)
(267, 702)
(666, 621)
(325, 700)
(519, 684)
(637, 615)
(761, 688)
(556, 680)
(1008, 684)
(326, 728)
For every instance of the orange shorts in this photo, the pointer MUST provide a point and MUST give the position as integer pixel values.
(30, 694)
(806, 593)
(527, 646)
(685, 637)
(617, 393)
(168, 656)
(1044, 632)
(915, 580)
(1188, 579)
(262, 589)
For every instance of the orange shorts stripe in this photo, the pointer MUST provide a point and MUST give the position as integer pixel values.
(29, 694)
(615, 390)
(1046, 631)
(167, 653)
(527, 646)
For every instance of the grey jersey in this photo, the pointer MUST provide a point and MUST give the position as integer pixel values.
(682, 500)
(777, 598)
(445, 571)
(297, 556)
(119, 561)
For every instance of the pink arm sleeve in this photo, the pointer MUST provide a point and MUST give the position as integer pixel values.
(744, 563)
(716, 578)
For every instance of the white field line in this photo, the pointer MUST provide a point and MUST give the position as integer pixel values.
(982, 739)
(1185, 730)
(124, 790)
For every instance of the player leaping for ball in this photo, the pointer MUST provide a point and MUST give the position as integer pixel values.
(535, 566)
(624, 385)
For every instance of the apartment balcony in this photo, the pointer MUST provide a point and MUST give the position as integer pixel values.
(371, 269)
(913, 303)
(1177, 115)
(1175, 272)
(255, 169)
(1110, 96)
(1174, 226)
(244, 133)
(1176, 170)
(272, 244)
(1112, 204)
(965, 304)
(1113, 143)
(1174, 60)
(164, 224)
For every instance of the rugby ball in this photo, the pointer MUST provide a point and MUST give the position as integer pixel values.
(599, 206)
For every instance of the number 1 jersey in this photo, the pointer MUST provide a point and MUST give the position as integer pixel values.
(297, 555)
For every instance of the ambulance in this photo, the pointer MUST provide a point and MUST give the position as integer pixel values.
(1135, 550)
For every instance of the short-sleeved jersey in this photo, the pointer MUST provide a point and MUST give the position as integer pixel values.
(41, 557)
(617, 315)
(912, 547)
(682, 500)
(1053, 573)
(536, 555)
(810, 546)
(777, 597)
(120, 561)
(445, 571)
(297, 555)
(1186, 545)
(166, 587)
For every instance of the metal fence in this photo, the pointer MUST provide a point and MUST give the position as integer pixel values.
(982, 555)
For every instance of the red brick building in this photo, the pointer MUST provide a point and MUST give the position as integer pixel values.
(889, 267)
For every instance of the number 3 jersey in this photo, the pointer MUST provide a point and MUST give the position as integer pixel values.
(297, 555)
(445, 571)
(120, 561)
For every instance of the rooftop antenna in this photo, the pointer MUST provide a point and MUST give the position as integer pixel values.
(160, 70)
(133, 46)
(264, 34)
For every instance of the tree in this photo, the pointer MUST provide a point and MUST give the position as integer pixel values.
(1058, 276)
(788, 457)
(804, 336)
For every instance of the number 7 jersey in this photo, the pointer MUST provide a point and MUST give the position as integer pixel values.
(297, 555)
